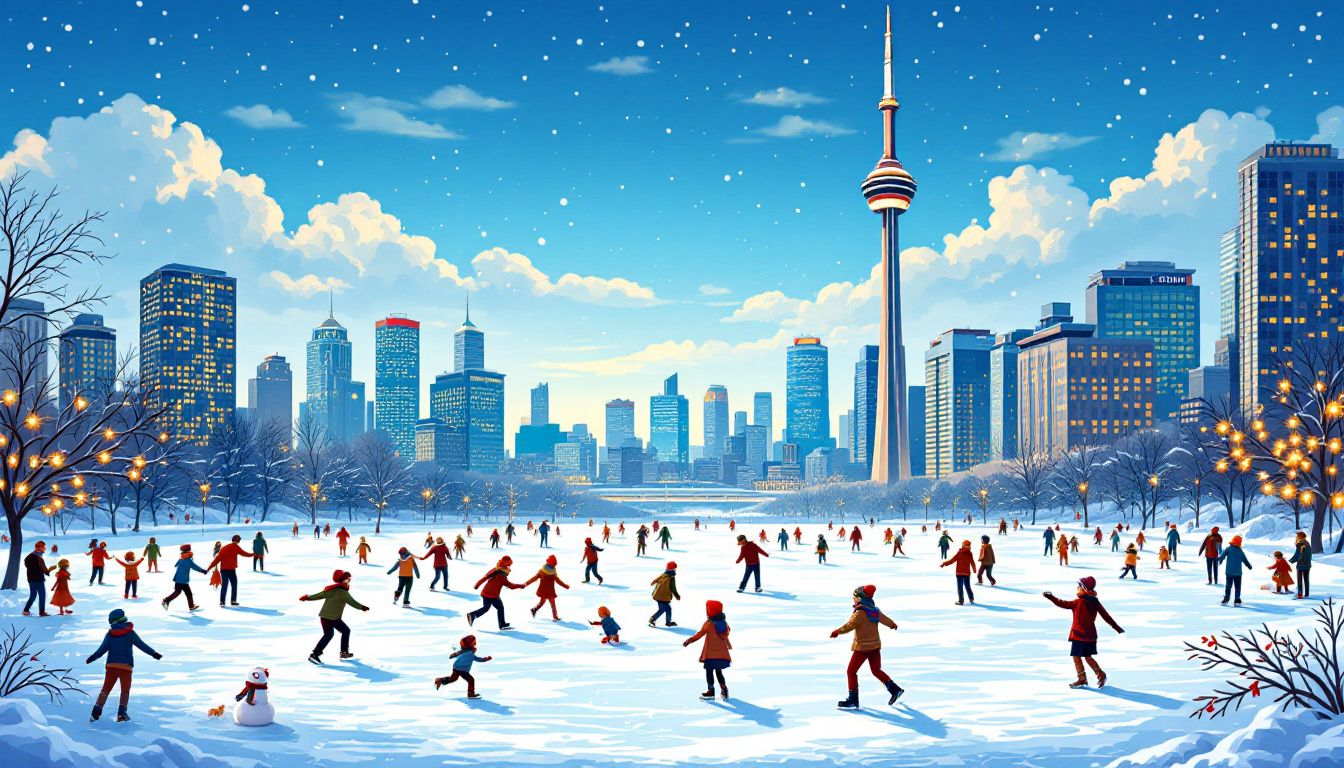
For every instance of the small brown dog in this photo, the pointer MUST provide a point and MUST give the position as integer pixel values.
(216, 711)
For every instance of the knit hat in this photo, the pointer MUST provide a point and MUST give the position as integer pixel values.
(116, 616)
(184, 548)
(984, 539)
(712, 607)
(550, 560)
(587, 541)
(130, 555)
(403, 551)
(506, 560)
(741, 538)
(236, 538)
(672, 565)
(1088, 582)
(337, 576)
(966, 543)
(1236, 541)
(865, 592)
(469, 641)
(603, 610)
(1214, 529)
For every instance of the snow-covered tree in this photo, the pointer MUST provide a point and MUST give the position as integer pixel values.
(386, 476)
(274, 464)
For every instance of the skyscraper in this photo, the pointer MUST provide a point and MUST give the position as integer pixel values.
(88, 359)
(956, 397)
(669, 424)
(1208, 383)
(763, 414)
(915, 399)
(716, 420)
(807, 400)
(396, 382)
(470, 404)
(541, 405)
(1151, 300)
(889, 190)
(865, 403)
(1075, 388)
(24, 338)
(1003, 394)
(1290, 283)
(270, 396)
(739, 423)
(335, 401)
(188, 346)
(468, 346)
(1229, 315)
(620, 422)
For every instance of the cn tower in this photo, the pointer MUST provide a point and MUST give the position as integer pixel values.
(889, 188)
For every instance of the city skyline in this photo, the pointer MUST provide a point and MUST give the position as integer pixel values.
(796, 121)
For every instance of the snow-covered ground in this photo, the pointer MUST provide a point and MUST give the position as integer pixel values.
(986, 684)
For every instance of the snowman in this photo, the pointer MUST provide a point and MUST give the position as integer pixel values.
(253, 708)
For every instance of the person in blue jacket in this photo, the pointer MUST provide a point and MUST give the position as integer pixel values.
(1234, 560)
(259, 550)
(182, 578)
(1173, 538)
(1302, 556)
(119, 646)
(463, 658)
(1049, 537)
(611, 631)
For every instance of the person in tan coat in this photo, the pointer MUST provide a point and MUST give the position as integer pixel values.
(715, 652)
(986, 570)
(865, 622)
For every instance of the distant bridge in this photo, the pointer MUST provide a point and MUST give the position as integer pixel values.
(682, 494)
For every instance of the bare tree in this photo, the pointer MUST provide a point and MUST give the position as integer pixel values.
(1028, 475)
(386, 475)
(1078, 471)
(1147, 462)
(1197, 456)
(273, 462)
(233, 442)
(313, 467)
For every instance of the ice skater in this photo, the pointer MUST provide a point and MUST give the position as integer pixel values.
(664, 592)
(1211, 548)
(342, 540)
(822, 549)
(227, 560)
(362, 551)
(1083, 632)
(407, 572)
(715, 654)
(855, 536)
(119, 646)
(259, 550)
(100, 557)
(463, 658)
(182, 578)
(965, 566)
(752, 554)
(547, 578)
(439, 551)
(151, 553)
(494, 582)
(334, 598)
(986, 570)
(1234, 560)
(132, 569)
(864, 622)
(1131, 563)
(611, 631)
(590, 551)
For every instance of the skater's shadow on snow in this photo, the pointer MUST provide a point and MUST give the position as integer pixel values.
(622, 646)
(1150, 699)
(907, 717)
(612, 586)
(1265, 608)
(527, 637)
(491, 707)
(996, 608)
(193, 618)
(569, 625)
(267, 573)
(1012, 589)
(258, 611)
(763, 716)
(779, 595)
(364, 671)
(444, 612)
(684, 631)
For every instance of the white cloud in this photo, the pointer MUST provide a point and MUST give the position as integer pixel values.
(462, 97)
(1021, 146)
(306, 285)
(709, 289)
(669, 353)
(1329, 127)
(784, 97)
(502, 269)
(261, 116)
(623, 66)
(795, 126)
(375, 114)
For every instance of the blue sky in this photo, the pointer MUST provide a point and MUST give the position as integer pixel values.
(670, 186)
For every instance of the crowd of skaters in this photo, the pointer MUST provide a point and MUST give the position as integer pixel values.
(1227, 560)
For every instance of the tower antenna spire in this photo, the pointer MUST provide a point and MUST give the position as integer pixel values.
(331, 302)
(468, 309)
(888, 81)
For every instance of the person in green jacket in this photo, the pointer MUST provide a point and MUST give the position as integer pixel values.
(152, 556)
(1302, 556)
(334, 599)
(945, 543)
(665, 537)
(259, 550)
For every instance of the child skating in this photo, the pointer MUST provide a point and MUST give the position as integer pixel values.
(132, 566)
(119, 646)
(439, 551)
(151, 554)
(822, 548)
(611, 631)
(1083, 633)
(363, 550)
(547, 578)
(986, 570)
(407, 572)
(494, 581)
(1163, 558)
(590, 551)
(965, 566)
(182, 579)
(1131, 562)
(463, 658)
(1282, 574)
(715, 654)
(864, 622)
(664, 592)
(61, 597)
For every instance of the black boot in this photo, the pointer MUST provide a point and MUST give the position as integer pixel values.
(122, 717)
(708, 695)
(95, 714)
(895, 691)
(850, 703)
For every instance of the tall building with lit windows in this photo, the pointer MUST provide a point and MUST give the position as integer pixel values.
(1290, 279)
(865, 406)
(334, 400)
(469, 402)
(763, 414)
(396, 383)
(670, 425)
(956, 401)
(87, 358)
(1074, 388)
(1003, 394)
(807, 399)
(188, 346)
(716, 424)
(1151, 300)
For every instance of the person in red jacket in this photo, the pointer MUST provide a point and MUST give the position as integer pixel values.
(227, 560)
(100, 557)
(797, 535)
(855, 536)
(965, 563)
(441, 557)
(748, 551)
(546, 579)
(1083, 632)
(495, 581)
(590, 551)
(343, 539)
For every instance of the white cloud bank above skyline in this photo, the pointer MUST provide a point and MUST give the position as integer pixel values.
(262, 117)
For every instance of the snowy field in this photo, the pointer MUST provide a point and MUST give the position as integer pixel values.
(986, 684)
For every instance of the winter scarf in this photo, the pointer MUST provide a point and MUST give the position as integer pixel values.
(869, 608)
(720, 622)
(249, 692)
(548, 570)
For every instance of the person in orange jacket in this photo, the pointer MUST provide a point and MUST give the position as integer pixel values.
(546, 578)
(965, 566)
(1131, 563)
(716, 653)
(1163, 558)
(864, 622)
(1062, 547)
(407, 573)
(227, 560)
(132, 567)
